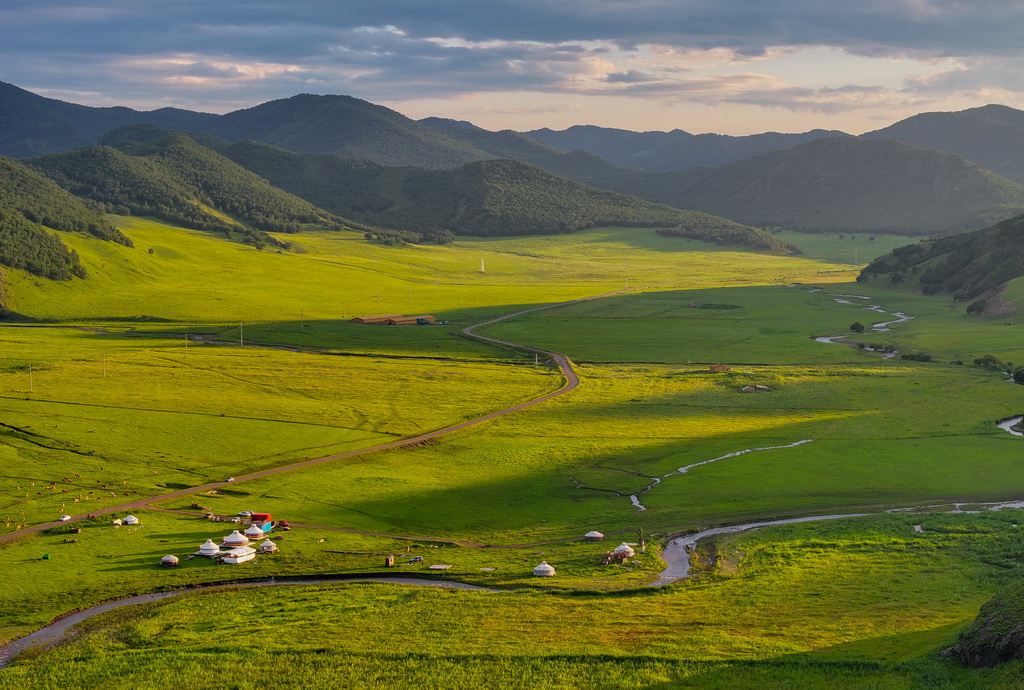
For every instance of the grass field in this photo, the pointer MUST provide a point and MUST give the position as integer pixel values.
(101, 400)
(795, 605)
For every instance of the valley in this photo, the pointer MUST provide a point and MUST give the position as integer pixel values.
(205, 359)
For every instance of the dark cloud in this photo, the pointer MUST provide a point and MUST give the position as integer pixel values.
(232, 53)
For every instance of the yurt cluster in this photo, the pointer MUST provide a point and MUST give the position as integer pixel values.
(620, 554)
(237, 547)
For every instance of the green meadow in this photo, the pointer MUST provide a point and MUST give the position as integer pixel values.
(189, 359)
(864, 602)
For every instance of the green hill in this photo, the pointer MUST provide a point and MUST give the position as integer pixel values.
(32, 125)
(847, 184)
(487, 198)
(991, 136)
(29, 204)
(970, 265)
(181, 181)
(341, 124)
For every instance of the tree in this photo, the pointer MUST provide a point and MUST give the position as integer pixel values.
(856, 327)
(1018, 375)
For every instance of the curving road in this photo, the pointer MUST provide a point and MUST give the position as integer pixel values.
(563, 363)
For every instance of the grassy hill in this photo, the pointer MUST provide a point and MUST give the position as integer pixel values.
(179, 180)
(31, 203)
(968, 266)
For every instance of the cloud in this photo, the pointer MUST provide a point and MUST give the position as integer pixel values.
(227, 54)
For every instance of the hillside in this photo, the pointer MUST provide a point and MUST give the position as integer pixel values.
(991, 136)
(997, 634)
(341, 124)
(181, 181)
(31, 125)
(847, 184)
(29, 204)
(674, 150)
(487, 198)
(969, 266)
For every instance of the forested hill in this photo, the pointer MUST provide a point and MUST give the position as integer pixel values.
(178, 180)
(674, 150)
(30, 203)
(972, 266)
(991, 136)
(32, 125)
(497, 197)
(847, 184)
(350, 126)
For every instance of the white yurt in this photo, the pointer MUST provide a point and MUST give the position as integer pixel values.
(236, 538)
(209, 548)
(268, 547)
(254, 532)
(544, 570)
(130, 520)
(593, 535)
(624, 550)
(169, 561)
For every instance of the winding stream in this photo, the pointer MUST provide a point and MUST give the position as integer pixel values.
(54, 632)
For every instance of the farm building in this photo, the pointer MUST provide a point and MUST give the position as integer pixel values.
(423, 320)
(378, 318)
(719, 368)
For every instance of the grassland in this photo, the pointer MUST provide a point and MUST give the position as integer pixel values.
(114, 397)
(807, 605)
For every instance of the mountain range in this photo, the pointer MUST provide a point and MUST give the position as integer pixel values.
(862, 185)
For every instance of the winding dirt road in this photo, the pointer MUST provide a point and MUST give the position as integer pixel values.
(564, 364)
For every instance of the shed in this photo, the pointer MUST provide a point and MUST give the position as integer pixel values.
(544, 570)
(169, 561)
(377, 318)
(209, 549)
(130, 520)
(261, 517)
(236, 538)
(593, 535)
(422, 320)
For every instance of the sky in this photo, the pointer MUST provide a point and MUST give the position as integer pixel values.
(725, 66)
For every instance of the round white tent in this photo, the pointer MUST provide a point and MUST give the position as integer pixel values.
(236, 538)
(625, 550)
(268, 547)
(544, 570)
(254, 532)
(130, 520)
(169, 561)
(593, 535)
(209, 548)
